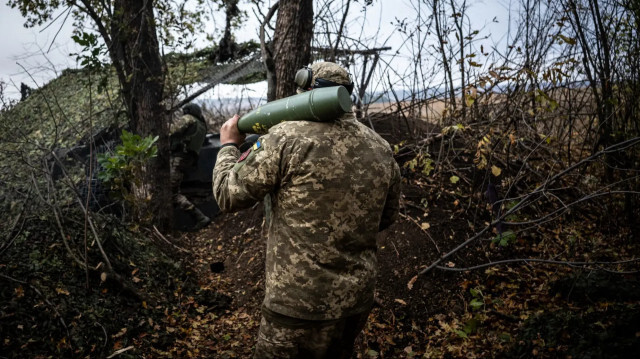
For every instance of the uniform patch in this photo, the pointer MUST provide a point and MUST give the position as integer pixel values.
(248, 155)
(244, 155)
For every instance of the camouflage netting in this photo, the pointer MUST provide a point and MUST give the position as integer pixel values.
(61, 118)
(67, 277)
(52, 121)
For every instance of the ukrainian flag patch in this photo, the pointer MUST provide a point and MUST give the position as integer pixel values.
(256, 145)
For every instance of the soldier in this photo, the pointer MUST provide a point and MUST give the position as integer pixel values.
(332, 187)
(187, 134)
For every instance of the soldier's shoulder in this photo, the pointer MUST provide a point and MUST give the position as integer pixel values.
(180, 122)
(372, 135)
(289, 129)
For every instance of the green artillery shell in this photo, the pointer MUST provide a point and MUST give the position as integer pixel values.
(319, 105)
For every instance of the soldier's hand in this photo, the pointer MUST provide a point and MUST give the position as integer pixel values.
(229, 132)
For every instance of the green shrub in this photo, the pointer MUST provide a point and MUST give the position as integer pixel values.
(122, 170)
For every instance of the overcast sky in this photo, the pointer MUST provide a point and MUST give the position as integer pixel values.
(31, 48)
(44, 53)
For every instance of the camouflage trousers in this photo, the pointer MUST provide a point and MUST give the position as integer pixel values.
(180, 163)
(291, 338)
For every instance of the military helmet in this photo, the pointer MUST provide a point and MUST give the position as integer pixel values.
(193, 110)
(323, 74)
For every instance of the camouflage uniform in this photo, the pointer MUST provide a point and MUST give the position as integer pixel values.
(187, 134)
(332, 187)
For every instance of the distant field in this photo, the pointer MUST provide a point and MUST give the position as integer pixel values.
(431, 111)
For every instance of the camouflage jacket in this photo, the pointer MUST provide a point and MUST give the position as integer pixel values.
(187, 134)
(332, 186)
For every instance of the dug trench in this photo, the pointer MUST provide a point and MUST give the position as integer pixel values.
(519, 310)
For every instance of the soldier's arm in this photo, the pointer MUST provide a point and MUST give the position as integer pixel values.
(392, 203)
(241, 180)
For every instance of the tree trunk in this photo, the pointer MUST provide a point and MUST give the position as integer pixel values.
(143, 92)
(227, 45)
(291, 43)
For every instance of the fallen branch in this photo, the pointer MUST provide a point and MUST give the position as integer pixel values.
(120, 351)
(159, 235)
(584, 265)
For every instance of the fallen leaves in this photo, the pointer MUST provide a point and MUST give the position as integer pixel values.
(19, 291)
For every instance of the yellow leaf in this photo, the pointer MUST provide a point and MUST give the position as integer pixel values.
(122, 332)
(469, 100)
(400, 301)
(411, 282)
(19, 291)
(496, 171)
(62, 291)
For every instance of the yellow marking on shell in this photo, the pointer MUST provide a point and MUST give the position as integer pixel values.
(259, 128)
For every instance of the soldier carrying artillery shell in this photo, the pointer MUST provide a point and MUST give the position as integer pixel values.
(332, 185)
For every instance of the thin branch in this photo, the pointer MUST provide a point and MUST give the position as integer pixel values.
(53, 307)
(157, 233)
(13, 226)
(59, 29)
(340, 30)
(84, 210)
(547, 261)
(422, 229)
(613, 148)
(567, 207)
